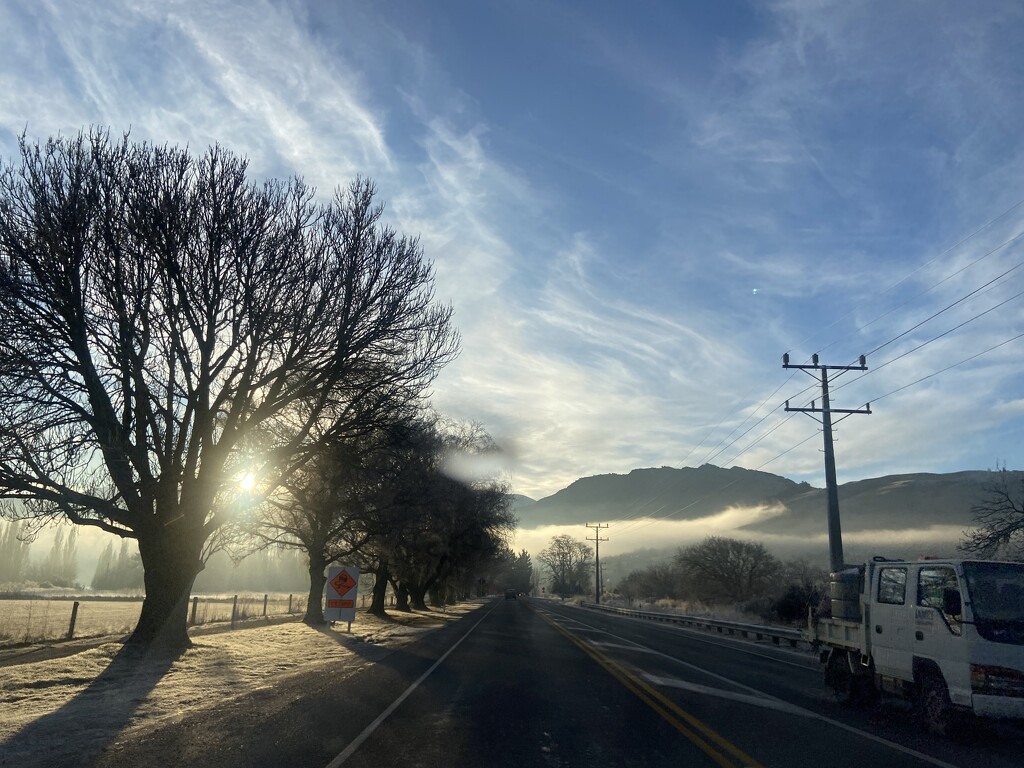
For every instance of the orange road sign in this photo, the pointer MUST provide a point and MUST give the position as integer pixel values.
(343, 583)
(342, 589)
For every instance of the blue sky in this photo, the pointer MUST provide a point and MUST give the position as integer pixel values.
(635, 208)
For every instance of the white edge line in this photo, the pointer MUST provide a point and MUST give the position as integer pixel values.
(346, 753)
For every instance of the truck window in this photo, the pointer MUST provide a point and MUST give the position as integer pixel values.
(997, 599)
(892, 586)
(931, 582)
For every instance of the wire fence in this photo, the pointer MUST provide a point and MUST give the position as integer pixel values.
(35, 620)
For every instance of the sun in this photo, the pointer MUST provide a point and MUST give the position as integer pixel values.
(247, 481)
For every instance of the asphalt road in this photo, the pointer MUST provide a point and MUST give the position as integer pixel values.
(536, 683)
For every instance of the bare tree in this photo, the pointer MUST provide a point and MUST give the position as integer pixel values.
(433, 527)
(466, 516)
(568, 561)
(729, 568)
(341, 502)
(320, 511)
(999, 519)
(653, 582)
(167, 326)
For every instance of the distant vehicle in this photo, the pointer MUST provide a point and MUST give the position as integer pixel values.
(947, 633)
(511, 594)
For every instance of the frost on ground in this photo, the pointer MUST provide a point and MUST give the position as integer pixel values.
(94, 697)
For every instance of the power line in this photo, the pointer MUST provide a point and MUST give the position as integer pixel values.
(949, 367)
(724, 444)
(941, 255)
(936, 338)
(636, 525)
(719, 448)
(948, 307)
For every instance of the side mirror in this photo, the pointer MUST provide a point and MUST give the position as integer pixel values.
(951, 603)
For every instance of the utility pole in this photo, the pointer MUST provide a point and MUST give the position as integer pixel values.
(597, 558)
(835, 533)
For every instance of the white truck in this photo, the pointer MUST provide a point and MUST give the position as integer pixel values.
(946, 633)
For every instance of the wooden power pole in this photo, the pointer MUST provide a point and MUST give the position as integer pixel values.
(835, 533)
(597, 558)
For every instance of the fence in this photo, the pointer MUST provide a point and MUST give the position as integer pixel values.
(49, 619)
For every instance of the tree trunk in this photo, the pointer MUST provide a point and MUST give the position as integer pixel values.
(418, 595)
(401, 597)
(171, 561)
(437, 596)
(314, 603)
(380, 590)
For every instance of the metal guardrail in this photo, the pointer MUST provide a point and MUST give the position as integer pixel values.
(758, 631)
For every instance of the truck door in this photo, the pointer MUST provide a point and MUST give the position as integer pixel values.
(890, 623)
(937, 635)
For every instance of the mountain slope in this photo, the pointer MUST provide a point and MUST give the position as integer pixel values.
(681, 494)
(895, 502)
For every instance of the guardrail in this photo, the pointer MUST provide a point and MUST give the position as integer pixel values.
(758, 631)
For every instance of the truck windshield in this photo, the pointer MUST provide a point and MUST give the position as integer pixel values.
(997, 598)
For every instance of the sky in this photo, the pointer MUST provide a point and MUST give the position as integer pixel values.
(634, 208)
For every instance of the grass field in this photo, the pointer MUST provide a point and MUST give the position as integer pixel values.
(27, 621)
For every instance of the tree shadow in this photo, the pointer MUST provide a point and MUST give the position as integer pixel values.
(370, 650)
(82, 728)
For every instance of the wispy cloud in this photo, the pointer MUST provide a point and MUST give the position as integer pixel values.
(602, 245)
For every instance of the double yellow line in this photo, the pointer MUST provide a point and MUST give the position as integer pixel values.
(719, 749)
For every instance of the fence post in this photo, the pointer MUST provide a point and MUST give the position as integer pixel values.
(289, 603)
(74, 617)
(195, 604)
(234, 612)
(264, 606)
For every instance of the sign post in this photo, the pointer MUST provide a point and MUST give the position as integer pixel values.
(341, 588)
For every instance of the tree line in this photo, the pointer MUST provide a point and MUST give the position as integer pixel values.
(734, 572)
(199, 362)
(57, 568)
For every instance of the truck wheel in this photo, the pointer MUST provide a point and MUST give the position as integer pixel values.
(838, 677)
(850, 689)
(934, 707)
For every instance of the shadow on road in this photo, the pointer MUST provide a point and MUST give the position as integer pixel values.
(95, 716)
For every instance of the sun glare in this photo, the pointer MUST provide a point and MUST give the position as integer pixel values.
(247, 481)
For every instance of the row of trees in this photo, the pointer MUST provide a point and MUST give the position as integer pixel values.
(58, 567)
(730, 571)
(15, 555)
(387, 500)
(189, 358)
(121, 570)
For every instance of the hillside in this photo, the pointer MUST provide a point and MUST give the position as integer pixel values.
(895, 502)
(687, 493)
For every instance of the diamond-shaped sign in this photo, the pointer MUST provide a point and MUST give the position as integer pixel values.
(343, 583)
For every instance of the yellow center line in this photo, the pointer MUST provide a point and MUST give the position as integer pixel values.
(680, 719)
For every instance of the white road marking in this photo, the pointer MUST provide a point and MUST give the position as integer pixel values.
(744, 698)
(763, 699)
(634, 649)
(346, 753)
(770, 702)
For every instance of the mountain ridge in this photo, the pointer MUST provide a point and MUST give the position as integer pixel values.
(907, 501)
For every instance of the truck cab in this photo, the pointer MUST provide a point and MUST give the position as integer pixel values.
(946, 632)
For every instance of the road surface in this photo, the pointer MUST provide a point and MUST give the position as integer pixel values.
(538, 683)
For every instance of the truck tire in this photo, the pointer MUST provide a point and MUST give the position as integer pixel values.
(935, 709)
(850, 689)
(837, 675)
